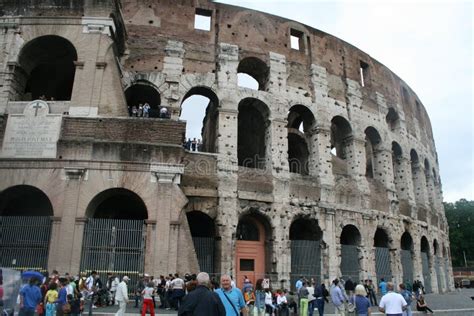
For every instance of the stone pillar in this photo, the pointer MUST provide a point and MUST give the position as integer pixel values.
(77, 245)
(228, 61)
(278, 149)
(332, 262)
(53, 253)
(277, 76)
(419, 185)
(416, 255)
(150, 245)
(356, 162)
(172, 70)
(404, 184)
(396, 265)
(320, 165)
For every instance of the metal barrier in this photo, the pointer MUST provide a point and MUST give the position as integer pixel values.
(24, 242)
(426, 272)
(350, 266)
(305, 260)
(407, 265)
(205, 250)
(382, 264)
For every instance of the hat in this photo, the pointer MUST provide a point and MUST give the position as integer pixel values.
(126, 278)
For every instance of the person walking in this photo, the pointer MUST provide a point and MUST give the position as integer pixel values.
(30, 297)
(121, 296)
(231, 298)
(371, 290)
(360, 301)
(148, 293)
(338, 298)
(202, 301)
(383, 287)
(392, 303)
(408, 296)
(320, 293)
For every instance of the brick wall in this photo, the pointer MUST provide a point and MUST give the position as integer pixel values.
(151, 131)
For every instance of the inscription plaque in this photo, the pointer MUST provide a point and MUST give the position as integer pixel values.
(33, 134)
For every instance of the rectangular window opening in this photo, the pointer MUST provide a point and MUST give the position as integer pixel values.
(296, 39)
(247, 265)
(364, 73)
(202, 19)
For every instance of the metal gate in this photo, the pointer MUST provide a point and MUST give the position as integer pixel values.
(407, 265)
(350, 263)
(446, 272)
(425, 265)
(382, 264)
(438, 274)
(114, 245)
(24, 242)
(205, 247)
(305, 260)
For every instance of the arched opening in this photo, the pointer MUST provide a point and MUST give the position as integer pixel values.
(203, 233)
(117, 203)
(46, 69)
(114, 238)
(382, 255)
(253, 247)
(199, 110)
(305, 237)
(406, 244)
(350, 241)
(141, 94)
(25, 226)
(341, 141)
(392, 119)
(253, 133)
(252, 73)
(300, 125)
(425, 263)
(372, 141)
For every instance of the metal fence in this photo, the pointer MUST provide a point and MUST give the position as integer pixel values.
(116, 246)
(407, 265)
(350, 266)
(382, 264)
(24, 242)
(425, 264)
(205, 250)
(305, 260)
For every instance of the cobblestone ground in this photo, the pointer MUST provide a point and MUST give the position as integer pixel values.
(454, 300)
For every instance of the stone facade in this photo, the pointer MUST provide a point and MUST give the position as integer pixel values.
(371, 161)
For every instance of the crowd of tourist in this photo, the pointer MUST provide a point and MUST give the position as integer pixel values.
(145, 110)
(200, 295)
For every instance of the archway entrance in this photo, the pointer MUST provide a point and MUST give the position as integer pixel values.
(114, 234)
(250, 254)
(305, 237)
(203, 232)
(425, 264)
(350, 242)
(140, 93)
(382, 255)
(25, 225)
(48, 69)
(407, 258)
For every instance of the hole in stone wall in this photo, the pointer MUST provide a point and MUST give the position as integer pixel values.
(296, 39)
(24, 200)
(202, 19)
(392, 119)
(341, 132)
(350, 235)
(252, 73)
(199, 110)
(364, 73)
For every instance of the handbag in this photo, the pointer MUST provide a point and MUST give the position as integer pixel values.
(66, 308)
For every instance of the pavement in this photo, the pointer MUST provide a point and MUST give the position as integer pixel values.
(452, 304)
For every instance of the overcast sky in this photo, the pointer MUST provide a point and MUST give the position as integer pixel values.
(429, 44)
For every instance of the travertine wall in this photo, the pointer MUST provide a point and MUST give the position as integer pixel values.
(164, 50)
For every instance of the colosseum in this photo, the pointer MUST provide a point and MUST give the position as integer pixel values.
(327, 168)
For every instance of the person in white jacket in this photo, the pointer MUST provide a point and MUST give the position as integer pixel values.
(121, 296)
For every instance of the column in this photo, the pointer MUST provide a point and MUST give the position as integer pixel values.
(172, 70)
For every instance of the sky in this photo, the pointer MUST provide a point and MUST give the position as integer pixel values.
(429, 44)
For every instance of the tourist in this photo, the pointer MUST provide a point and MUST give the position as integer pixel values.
(147, 294)
(392, 303)
(177, 287)
(383, 287)
(360, 301)
(50, 299)
(421, 305)
(303, 294)
(259, 309)
(231, 298)
(371, 293)
(146, 110)
(202, 301)
(163, 112)
(408, 296)
(321, 295)
(121, 296)
(30, 297)
(338, 298)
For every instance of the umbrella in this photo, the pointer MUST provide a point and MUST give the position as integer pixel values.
(32, 274)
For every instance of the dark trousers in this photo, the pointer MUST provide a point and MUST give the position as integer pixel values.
(26, 312)
(372, 298)
(320, 306)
